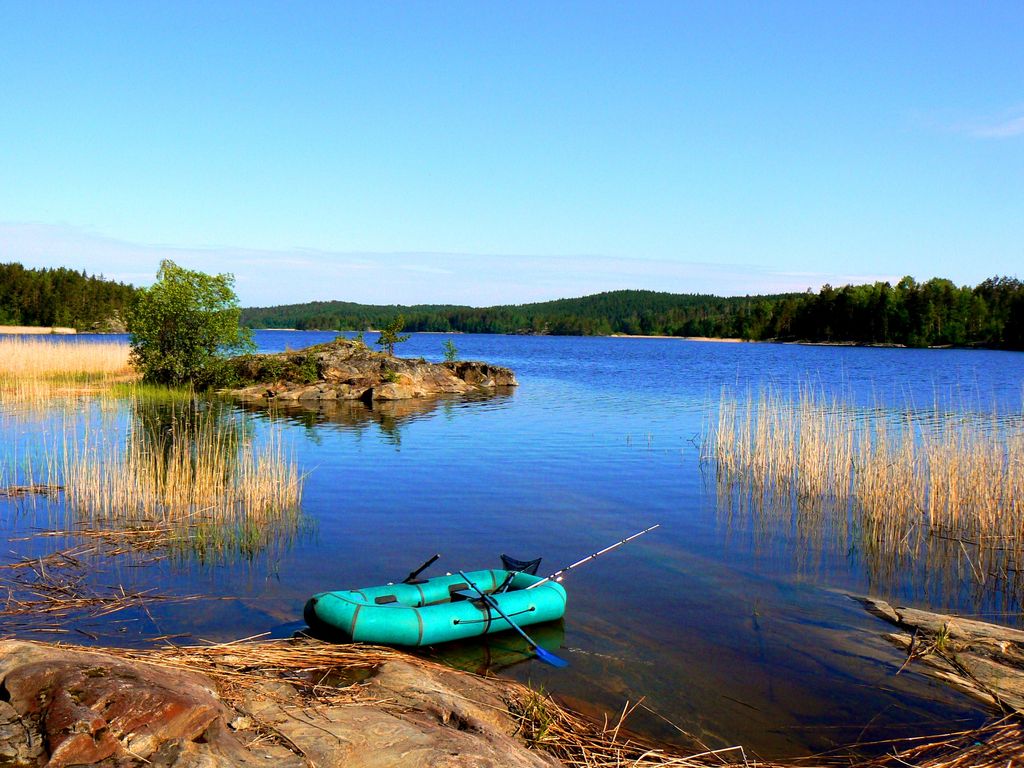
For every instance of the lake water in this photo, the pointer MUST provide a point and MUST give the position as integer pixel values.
(732, 634)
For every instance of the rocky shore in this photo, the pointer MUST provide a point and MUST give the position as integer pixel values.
(349, 370)
(71, 706)
(306, 704)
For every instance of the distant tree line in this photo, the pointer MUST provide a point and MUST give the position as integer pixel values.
(60, 297)
(932, 313)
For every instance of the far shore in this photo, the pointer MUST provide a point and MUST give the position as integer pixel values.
(678, 338)
(32, 330)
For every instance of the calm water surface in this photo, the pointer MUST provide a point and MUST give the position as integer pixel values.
(732, 635)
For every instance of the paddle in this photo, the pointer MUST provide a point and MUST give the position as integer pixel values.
(411, 578)
(545, 656)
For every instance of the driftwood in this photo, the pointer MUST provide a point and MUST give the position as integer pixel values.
(984, 660)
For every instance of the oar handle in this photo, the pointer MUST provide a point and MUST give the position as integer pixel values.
(421, 569)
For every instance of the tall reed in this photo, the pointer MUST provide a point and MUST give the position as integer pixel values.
(36, 372)
(934, 492)
(198, 473)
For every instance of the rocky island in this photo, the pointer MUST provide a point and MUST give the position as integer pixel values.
(349, 370)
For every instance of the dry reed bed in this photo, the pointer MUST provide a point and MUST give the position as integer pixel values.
(241, 667)
(191, 477)
(37, 358)
(202, 466)
(36, 372)
(945, 486)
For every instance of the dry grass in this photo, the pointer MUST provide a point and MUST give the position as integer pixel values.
(943, 488)
(168, 471)
(50, 593)
(36, 372)
(314, 668)
(39, 359)
(197, 477)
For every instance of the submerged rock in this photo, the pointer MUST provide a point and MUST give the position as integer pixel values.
(349, 370)
(984, 660)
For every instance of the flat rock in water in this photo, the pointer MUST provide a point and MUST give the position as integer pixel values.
(982, 659)
(349, 370)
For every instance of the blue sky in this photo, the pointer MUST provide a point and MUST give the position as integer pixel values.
(487, 153)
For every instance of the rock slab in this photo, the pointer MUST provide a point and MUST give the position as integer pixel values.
(62, 707)
(349, 370)
(984, 660)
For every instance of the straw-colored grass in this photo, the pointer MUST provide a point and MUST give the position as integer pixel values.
(241, 668)
(947, 487)
(198, 478)
(35, 372)
(36, 358)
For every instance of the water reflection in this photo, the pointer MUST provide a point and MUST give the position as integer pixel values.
(389, 416)
(500, 652)
(922, 502)
(193, 479)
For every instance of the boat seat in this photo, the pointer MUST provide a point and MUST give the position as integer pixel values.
(458, 587)
(524, 566)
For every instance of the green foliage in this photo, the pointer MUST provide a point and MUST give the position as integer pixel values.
(184, 325)
(391, 334)
(61, 297)
(935, 312)
(390, 376)
(451, 352)
(308, 369)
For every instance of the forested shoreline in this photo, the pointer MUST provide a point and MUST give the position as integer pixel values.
(61, 297)
(933, 313)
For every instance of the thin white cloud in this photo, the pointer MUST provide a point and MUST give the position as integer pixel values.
(265, 277)
(1007, 129)
(1008, 125)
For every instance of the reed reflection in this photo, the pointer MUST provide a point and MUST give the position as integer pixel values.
(929, 503)
(195, 476)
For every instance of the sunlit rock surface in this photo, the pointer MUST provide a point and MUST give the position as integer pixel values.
(68, 707)
(349, 370)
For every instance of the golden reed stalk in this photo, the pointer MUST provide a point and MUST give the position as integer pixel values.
(36, 372)
(908, 482)
(202, 475)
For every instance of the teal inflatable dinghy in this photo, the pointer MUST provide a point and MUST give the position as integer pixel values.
(436, 610)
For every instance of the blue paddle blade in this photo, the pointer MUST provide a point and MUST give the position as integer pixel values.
(549, 658)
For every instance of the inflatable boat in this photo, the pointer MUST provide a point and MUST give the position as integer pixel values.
(436, 610)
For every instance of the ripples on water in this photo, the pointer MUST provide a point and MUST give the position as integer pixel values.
(735, 630)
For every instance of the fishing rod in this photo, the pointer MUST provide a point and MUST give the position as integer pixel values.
(557, 575)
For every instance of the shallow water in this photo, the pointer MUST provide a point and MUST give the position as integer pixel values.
(732, 632)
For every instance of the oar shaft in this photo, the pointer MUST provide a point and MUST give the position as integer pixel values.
(421, 569)
(588, 558)
(490, 602)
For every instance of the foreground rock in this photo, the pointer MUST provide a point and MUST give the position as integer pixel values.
(69, 707)
(431, 718)
(349, 370)
(984, 660)
(72, 707)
